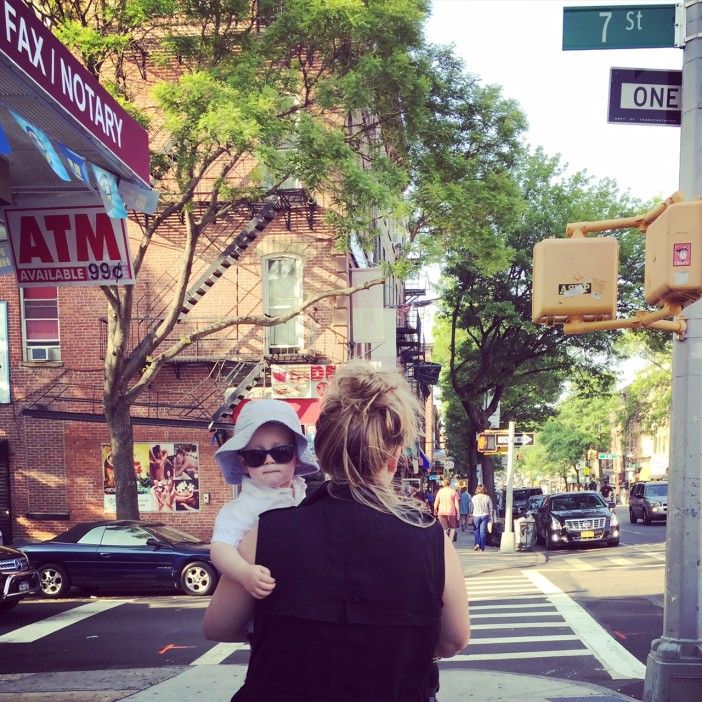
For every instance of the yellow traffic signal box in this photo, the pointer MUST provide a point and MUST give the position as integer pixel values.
(674, 255)
(575, 278)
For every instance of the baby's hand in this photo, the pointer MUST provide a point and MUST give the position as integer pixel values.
(258, 581)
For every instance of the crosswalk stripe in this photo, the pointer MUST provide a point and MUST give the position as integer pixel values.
(468, 657)
(579, 564)
(484, 598)
(523, 589)
(505, 579)
(504, 615)
(220, 652)
(518, 625)
(614, 657)
(33, 632)
(618, 560)
(530, 605)
(523, 639)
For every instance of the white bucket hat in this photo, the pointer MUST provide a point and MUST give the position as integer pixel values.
(254, 414)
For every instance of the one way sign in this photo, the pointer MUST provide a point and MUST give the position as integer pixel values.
(523, 439)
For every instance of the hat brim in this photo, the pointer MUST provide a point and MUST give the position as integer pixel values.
(232, 468)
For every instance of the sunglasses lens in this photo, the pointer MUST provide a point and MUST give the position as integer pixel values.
(255, 458)
(282, 454)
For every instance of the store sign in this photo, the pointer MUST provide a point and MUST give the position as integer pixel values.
(30, 46)
(301, 380)
(68, 246)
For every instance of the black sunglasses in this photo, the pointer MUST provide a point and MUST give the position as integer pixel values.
(255, 458)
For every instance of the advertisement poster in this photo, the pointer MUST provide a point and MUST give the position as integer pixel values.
(167, 477)
(300, 380)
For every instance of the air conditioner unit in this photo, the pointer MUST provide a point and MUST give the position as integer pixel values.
(37, 354)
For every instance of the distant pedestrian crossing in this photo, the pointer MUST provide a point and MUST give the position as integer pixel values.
(522, 622)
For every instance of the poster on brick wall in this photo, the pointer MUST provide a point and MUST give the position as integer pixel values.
(167, 477)
(301, 380)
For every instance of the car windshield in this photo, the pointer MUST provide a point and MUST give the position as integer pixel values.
(174, 536)
(521, 495)
(567, 503)
(656, 491)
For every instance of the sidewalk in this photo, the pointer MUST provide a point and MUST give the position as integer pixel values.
(217, 683)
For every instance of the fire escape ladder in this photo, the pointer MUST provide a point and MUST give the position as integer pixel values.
(243, 376)
(248, 234)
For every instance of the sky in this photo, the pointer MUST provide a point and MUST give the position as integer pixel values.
(516, 44)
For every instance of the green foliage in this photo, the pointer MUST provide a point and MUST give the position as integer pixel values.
(647, 400)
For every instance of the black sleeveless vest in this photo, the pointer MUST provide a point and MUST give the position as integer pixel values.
(355, 614)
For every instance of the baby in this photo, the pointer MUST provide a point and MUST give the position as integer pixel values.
(267, 456)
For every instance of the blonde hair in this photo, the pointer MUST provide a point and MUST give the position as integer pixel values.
(367, 414)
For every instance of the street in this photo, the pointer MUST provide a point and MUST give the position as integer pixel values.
(586, 614)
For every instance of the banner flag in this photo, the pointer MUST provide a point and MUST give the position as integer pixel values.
(43, 143)
(76, 164)
(107, 185)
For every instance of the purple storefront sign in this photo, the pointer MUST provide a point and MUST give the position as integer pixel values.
(26, 42)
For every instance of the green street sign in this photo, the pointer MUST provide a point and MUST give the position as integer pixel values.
(625, 27)
(606, 456)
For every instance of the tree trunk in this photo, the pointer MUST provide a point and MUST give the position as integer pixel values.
(119, 423)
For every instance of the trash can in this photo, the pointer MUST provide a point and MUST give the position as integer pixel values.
(525, 533)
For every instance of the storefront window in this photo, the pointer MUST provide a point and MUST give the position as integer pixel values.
(283, 292)
(40, 324)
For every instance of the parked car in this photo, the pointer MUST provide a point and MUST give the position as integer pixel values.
(112, 555)
(533, 503)
(17, 578)
(648, 501)
(576, 517)
(520, 496)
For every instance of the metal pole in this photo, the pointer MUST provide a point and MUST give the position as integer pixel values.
(674, 665)
(507, 539)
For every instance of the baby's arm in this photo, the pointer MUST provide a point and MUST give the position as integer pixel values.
(256, 579)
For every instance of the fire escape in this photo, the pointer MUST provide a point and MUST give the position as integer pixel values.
(235, 360)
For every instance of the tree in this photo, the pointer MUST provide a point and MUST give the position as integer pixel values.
(326, 92)
(493, 350)
(582, 423)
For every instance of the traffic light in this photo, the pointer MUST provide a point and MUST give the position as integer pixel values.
(674, 255)
(575, 278)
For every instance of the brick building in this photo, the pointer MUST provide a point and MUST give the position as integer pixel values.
(262, 257)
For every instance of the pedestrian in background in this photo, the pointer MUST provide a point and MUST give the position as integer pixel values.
(464, 504)
(447, 509)
(482, 514)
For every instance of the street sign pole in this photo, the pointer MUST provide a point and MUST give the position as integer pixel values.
(674, 665)
(507, 539)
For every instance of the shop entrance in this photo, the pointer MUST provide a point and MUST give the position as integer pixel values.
(5, 519)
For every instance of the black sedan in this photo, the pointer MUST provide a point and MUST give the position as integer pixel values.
(576, 518)
(112, 555)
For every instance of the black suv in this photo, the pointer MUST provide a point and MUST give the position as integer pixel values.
(520, 496)
(648, 501)
(17, 579)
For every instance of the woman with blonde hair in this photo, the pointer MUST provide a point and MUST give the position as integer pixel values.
(365, 580)
(482, 514)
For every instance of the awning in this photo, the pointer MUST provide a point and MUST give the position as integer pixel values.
(41, 81)
(306, 409)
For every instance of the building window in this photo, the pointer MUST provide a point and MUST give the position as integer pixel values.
(40, 324)
(282, 280)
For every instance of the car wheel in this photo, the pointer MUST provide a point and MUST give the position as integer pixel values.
(632, 517)
(54, 581)
(646, 517)
(198, 578)
(8, 604)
